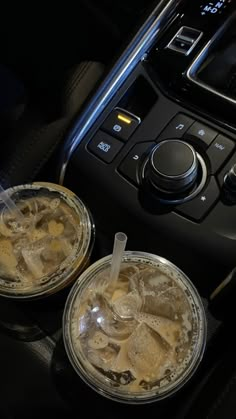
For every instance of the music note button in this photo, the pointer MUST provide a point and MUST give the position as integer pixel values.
(177, 127)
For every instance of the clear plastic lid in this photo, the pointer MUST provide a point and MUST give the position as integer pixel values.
(137, 339)
(44, 252)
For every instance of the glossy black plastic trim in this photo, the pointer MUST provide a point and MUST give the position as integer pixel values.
(134, 53)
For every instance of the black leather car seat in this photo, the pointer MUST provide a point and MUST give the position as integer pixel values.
(42, 125)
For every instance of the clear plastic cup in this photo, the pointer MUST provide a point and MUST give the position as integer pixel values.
(45, 250)
(138, 339)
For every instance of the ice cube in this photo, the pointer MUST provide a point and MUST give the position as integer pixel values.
(8, 261)
(113, 290)
(165, 299)
(54, 204)
(108, 322)
(36, 234)
(129, 271)
(160, 307)
(122, 361)
(170, 331)
(66, 247)
(32, 258)
(147, 273)
(55, 229)
(5, 231)
(103, 357)
(98, 341)
(55, 252)
(146, 352)
(127, 305)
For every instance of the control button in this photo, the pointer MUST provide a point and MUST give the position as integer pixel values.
(104, 146)
(201, 205)
(189, 34)
(131, 163)
(185, 40)
(121, 124)
(203, 134)
(219, 151)
(176, 128)
(181, 45)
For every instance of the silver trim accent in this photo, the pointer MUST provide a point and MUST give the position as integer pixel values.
(183, 38)
(192, 71)
(122, 69)
(230, 179)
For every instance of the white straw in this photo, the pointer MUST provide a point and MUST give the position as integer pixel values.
(117, 254)
(10, 204)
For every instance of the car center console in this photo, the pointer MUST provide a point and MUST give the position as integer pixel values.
(163, 149)
(154, 155)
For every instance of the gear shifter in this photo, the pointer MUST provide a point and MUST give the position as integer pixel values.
(220, 71)
(216, 68)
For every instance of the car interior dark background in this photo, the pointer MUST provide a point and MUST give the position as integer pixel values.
(65, 79)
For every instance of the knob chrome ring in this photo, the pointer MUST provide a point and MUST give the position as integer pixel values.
(188, 197)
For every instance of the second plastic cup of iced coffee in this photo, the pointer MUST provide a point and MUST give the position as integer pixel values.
(137, 338)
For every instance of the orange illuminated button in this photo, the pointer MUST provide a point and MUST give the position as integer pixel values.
(121, 124)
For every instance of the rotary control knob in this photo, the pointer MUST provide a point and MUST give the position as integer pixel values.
(173, 167)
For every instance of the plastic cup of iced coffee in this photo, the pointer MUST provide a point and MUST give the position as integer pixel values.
(138, 338)
(45, 243)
